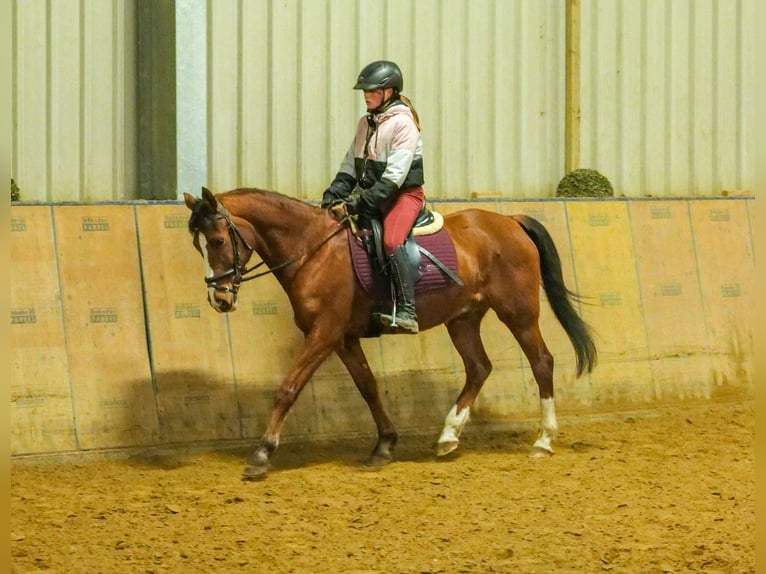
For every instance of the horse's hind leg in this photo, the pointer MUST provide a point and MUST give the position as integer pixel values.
(353, 358)
(541, 361)
(465, 334)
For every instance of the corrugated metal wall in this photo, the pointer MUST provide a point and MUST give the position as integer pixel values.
(485, 76)
(73, 98)
(664, 91)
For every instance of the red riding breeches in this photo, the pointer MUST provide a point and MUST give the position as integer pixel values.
(399, 220)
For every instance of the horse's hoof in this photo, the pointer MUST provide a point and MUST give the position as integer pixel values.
(255, 472)
(444, 448)
(376, 462)
(539, 452)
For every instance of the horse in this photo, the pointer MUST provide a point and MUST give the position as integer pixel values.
(502, 260)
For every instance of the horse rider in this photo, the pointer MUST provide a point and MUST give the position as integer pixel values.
(381, 176)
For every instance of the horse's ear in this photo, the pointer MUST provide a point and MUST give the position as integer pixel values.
(208, 196)
(190, 200)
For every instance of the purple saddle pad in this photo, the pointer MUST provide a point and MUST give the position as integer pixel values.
(439, 244)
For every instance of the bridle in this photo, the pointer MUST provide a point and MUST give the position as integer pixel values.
(241, 275)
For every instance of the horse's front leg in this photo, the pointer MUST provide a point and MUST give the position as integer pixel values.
(314, 352)
(352, 355)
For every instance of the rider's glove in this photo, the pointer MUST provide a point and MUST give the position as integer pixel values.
(357, 203)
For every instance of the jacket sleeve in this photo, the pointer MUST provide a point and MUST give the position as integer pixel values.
(340, 188)
(344, 181)
(374, 197)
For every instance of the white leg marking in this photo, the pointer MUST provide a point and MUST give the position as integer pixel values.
(453, 424)
(208, 272)
(548, 425)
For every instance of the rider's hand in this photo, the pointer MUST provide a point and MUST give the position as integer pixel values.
(352, 204)
(329, 200)
(357, 204)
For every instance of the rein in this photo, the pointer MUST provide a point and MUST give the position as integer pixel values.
(241, 276)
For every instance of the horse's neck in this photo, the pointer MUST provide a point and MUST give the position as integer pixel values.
(282, 230)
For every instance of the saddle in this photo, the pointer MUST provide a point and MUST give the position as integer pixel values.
(430, 253)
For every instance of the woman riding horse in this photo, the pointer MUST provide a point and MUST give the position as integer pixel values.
(382, 175)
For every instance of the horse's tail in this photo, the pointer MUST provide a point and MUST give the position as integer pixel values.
(559, 297)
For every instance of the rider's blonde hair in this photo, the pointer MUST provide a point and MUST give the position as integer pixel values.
(408, 103)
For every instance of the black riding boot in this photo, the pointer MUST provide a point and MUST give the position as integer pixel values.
(404, 316)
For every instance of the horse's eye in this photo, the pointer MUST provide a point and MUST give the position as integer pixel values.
(218, 242)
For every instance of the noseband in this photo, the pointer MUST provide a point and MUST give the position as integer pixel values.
(241, 275)
(236, 270)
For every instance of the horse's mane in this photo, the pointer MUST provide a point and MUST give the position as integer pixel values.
(202, 216)
(282, 201)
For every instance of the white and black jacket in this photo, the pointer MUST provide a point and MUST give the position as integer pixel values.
(385, 157)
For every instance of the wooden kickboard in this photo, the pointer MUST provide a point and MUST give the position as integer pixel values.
(42, 419)
(606, 277)
(727, 275)
(88, 372)
(104, 321)
(193, 376)
(672, 302)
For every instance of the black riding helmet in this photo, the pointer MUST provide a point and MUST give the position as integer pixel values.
(380, 74)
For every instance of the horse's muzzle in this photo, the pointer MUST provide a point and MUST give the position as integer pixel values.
(223, 303)
(223, 299)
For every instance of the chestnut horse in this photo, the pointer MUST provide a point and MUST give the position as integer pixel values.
(502, 261)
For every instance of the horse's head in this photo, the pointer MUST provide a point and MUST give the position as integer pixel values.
(224, 241)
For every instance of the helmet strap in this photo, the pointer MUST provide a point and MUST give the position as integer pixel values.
(387, 103)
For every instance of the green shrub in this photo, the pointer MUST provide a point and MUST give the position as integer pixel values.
(584, 183)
